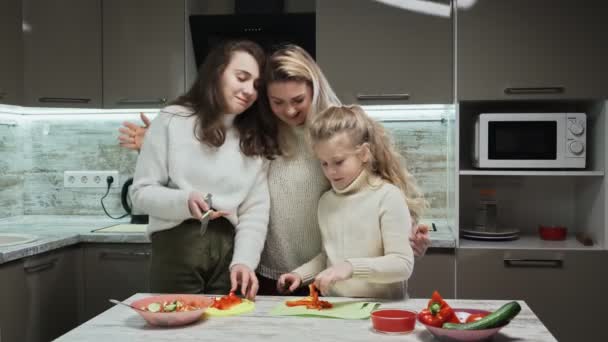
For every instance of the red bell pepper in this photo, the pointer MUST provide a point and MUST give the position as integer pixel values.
(226, 302)
(437, 312)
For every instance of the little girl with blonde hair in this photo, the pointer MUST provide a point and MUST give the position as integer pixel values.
(367, 214)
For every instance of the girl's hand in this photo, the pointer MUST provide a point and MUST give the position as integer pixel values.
(420, 239)
(131, 135)
(198, 206)
(242, 274)
(337, 272)
(288, 283)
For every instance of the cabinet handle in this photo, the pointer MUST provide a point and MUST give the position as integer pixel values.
(114, 255)
(63, 100)
(160, 100)
(40, 267)
(534, 90)
(373, 97)
(541, 263)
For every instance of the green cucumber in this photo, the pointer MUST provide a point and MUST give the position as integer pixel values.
(495, 319)
(154, 307)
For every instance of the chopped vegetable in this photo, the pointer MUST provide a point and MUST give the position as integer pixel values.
(226, 302)
(312, 301)
(172, 306)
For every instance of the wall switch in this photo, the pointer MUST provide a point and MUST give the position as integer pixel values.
(89, 179)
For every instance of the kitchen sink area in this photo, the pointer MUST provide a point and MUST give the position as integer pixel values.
(10, 239)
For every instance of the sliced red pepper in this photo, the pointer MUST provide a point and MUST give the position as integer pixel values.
(312, 301)
(226, 302)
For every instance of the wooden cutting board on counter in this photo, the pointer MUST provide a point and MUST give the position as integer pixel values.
(123, 228)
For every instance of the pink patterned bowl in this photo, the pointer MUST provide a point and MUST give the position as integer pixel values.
(170, 319)
(463, 335)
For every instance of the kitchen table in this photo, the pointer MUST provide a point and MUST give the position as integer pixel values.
(123, 324)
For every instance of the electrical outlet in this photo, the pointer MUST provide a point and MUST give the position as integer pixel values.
(89, 179)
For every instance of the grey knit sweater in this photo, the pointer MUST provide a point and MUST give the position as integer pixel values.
(295, 185)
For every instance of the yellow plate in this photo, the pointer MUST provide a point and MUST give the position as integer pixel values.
(244, 307)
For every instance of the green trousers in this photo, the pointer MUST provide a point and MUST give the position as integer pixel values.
(184, 261)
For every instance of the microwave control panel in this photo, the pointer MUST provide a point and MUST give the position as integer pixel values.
(576, 134)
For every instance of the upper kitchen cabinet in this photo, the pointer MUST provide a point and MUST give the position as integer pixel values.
(543, 49)
(375, 53)
(143, 52)
(62, 53)
(11, 58)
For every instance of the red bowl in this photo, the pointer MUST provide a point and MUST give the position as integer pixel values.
(552, 232)
(393, 321)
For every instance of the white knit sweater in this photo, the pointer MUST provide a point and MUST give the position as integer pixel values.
(366, 224)
(295, 184)
(173, 163)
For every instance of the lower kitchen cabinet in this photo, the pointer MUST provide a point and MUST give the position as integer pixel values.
(565, 289)
(434, 271)
(113, 271)
(15, 302)
(42, 296)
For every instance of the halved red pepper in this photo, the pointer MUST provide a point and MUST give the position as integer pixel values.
(437, 312)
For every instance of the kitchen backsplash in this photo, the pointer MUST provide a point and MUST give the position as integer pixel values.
(36, 148)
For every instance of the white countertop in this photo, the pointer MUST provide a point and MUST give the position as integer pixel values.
(123, 324)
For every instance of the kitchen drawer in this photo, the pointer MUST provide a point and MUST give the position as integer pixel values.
(564, 288)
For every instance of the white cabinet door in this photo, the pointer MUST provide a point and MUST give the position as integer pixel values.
(11, 58)
(62, 53)
(541, 49)
(143, 52)
(376, 53)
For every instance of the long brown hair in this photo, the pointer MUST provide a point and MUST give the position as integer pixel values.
(384, 161)
(292, 63)
(257, 129)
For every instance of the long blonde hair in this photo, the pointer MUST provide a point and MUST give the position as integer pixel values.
(293, 63)
(384, 161)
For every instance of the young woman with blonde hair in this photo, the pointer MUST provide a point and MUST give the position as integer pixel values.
(296, 90)
(367, 214)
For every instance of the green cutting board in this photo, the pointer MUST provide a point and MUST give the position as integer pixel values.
(343, 310)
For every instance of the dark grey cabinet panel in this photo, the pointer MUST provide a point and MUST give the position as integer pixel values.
(368, 48)
(564, 288)
(11, 58)
(542, 49)
(113, 271)
(434, 271)
(13, 295)
(54, 283)
(143, 52)
(62, 53)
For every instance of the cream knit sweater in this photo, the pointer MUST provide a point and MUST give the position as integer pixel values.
(295, 185)
(173, 163)
(366, 224)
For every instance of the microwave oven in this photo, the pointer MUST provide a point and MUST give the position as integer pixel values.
(530, 140)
